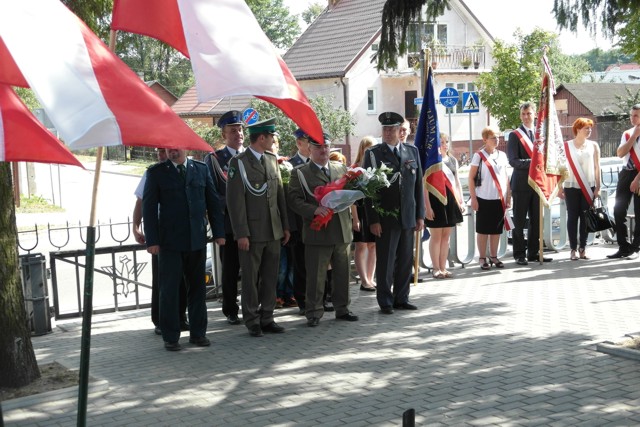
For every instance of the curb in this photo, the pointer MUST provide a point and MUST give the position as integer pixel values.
(615, 350)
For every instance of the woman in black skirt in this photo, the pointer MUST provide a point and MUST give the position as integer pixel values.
(364, 256)
(442, 218)
(486, 198)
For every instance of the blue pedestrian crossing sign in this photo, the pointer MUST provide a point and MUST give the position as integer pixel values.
(449, 97)
(470, 102)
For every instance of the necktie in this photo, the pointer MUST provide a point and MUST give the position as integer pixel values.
(325, 171)
(182, 171)
(396, 153)
(531, 135)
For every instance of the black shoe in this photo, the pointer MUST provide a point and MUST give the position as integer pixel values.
(386, 309)
(420, 280)
(314, 321)
(184, 325)
(232, 319)
(405, 306)
(200, 341)
(328, 307)
(366, 289)
(255, 331)
(349, 316)
(544, 259)
(273, 328)
(302, 312)
(522, 261)
(620, 254)
(172, 346)
(157, 330)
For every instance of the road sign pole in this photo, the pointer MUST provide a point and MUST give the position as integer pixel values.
(470, 139)
(450, 137)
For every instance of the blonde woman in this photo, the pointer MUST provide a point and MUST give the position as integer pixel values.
(365, 242)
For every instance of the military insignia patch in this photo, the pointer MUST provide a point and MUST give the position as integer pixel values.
(231, 172)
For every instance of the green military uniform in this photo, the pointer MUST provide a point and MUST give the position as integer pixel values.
(328, 246)
(257, 209)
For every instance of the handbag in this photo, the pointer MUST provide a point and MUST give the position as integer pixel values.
(597, 217)
(477, 180)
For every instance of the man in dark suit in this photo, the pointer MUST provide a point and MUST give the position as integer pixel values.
(525, 200)
(178, 197)
(231, 125)
(258, 213)
(327, 246)
(395, 234)
(295, 221)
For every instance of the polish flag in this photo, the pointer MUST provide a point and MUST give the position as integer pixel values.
(230, 54)
(24, 138)
(90, 95)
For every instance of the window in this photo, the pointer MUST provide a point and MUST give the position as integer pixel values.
(423, 34)
(371, 101)
(461, 87)
(374, 47)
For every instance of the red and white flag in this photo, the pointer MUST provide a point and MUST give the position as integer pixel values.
(90, 95)
(548, 161)
(24, 138)
(230, 54)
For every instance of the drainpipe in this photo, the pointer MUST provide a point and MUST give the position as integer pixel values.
(345, 102)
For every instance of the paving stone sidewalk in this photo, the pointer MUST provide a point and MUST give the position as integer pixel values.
(511, 347)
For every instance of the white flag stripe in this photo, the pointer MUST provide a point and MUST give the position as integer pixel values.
(218, 72)
(39, 33)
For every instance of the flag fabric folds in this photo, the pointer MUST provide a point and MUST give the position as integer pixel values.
(229, 52)
(24, 138)
(548, 167)
(90, 95)
(428, 143)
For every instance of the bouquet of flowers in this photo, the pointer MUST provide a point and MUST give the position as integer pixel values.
(356, 184)
(285, 169)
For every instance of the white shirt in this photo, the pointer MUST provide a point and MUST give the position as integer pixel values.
(585, 160)
(488, 190)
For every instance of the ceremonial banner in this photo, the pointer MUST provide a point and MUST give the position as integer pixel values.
(230, 54)
(24, 138)
(548, 167)
(428, 143)
(90, 95)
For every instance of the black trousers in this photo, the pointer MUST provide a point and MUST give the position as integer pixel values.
(576, 205)
(230, 271)
(526, 203)
(155, 295)
(624, 197)
(299, 269)
(173, 266)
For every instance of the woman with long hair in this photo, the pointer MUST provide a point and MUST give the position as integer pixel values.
(365, 242)
(441, 218)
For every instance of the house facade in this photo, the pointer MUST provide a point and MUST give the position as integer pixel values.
(333, 58)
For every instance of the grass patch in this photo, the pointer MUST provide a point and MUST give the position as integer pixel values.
(36, 204)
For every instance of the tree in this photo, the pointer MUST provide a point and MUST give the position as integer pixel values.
(312, 12)
(275, 20)
(335, 121)
(17, 358)
(517, 74)
(599, 59)
(611, 14)
(629, 36)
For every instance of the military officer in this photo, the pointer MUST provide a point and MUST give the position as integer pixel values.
(231, 125)
(395, 233)
(178, 197)
(258, 214)
(327, 246)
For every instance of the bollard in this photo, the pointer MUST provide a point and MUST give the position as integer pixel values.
(36, 294)
(409, 418)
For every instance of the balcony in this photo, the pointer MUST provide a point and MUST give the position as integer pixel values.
(452, 57)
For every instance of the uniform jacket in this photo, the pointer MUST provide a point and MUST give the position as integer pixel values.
(519, 161)
(296, 160)
(175, 212)
(304, 204)
(219, 176)
(406, 193)
(262, 217)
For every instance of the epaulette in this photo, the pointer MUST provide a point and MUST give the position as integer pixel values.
(155, 166)
(299, 166)
(198, 161)
(270, 153)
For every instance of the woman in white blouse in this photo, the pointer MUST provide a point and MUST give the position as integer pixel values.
(583, 184)
(491, 198)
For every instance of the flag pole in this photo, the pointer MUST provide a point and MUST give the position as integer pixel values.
(85, 344)
(540, 236)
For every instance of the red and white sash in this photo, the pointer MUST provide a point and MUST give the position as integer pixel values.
(525, 141)
(451, 182)
(508, 222)
(572, 158)
(634, 153)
